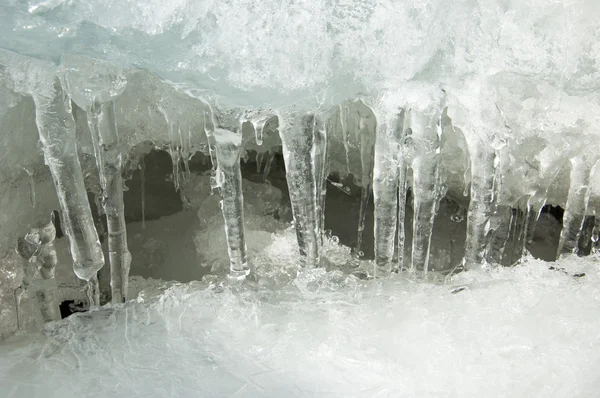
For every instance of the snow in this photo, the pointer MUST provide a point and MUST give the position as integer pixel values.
(523, 331)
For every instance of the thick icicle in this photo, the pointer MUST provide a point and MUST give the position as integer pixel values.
(366, 135)
(57, 134)
(305, 154)
(229, 177)
(483, 170)
(94, 86)
(386, 174)
(576, 207)
(426, 138)
(103, 126)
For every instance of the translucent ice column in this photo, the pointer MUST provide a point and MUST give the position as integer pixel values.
(425, 138)
(305, 155)
(94, 86)
(229, 178)
(388, 175)
(576, 207)
(57, 133)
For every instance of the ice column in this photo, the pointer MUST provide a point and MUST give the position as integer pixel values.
(57, 133)
(228, 145)
(483, 167)
(103, 126)
(366, 137)
(426, 138)
(576, 207)
(386, 181)
(304, 145)
(94, 87)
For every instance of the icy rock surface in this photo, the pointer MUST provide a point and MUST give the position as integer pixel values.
(505, 331)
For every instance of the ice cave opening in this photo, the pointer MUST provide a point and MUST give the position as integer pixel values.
(370, 198)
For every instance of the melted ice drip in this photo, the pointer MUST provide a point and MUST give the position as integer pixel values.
(388, 175)
(305, 155)
(228, 145)
(103, 127)
(179, 142)
(258, 118)
(577, 203)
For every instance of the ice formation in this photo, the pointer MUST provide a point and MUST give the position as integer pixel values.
(453, 123)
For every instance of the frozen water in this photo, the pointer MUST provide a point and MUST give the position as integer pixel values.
(505, 331)
(487, 109)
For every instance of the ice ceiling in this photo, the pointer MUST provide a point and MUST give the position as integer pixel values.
(494, 104)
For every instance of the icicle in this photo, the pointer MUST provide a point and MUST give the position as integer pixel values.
(103, 127)
(402, 197)
(304, 152)
(57, 133)
(258, 118)
(143, 189)
(228, 146)
(259, 161)
(595, 235)
(483, 169)
(427, 132)
(367, 125)
(535, 204)
(343, 112)
(386, 175)
(576, 207)
(320, 150)
(92, 291)
(267, 169)
(518, 232)
(501, 225)
(31, 186)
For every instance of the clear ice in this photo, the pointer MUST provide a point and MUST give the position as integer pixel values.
(460, 124)
(305, 154)
(229, 180)
(94, 86)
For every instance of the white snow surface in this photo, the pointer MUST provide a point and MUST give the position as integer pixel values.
(527, 331)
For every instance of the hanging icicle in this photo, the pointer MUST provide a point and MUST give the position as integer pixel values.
(305, 155)
(95, 91)
(228, 145)
(576, 207)
(386, 180)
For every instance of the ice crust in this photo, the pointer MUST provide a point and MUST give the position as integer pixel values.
(523, 331)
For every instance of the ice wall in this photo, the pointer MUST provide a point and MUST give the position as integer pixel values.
(493, 104)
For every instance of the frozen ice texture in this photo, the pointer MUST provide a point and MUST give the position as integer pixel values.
(328, 333)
